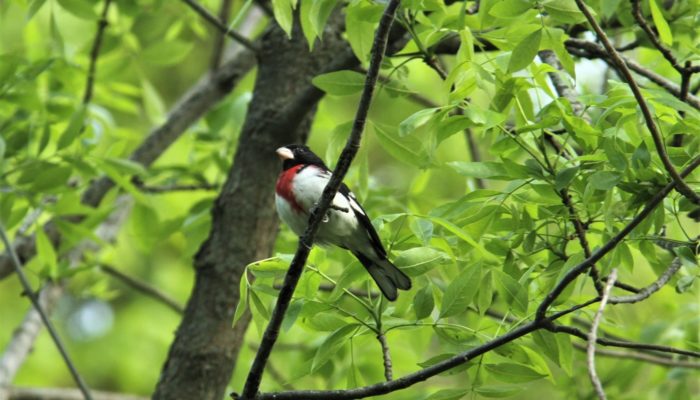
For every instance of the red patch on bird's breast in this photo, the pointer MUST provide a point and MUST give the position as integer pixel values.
(284, 187)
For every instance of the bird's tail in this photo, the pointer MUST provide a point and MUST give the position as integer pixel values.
(386, 275)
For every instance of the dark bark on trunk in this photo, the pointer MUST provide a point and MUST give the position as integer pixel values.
(244, 222)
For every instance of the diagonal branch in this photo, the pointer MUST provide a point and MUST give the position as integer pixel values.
(622, 343)
(612, 243)
(306, 241)
(541, 321)
(593, 336)
(144, 288)
(29, 292)
(653, 38)
(95, 52)
(681, 186)
(204, 13)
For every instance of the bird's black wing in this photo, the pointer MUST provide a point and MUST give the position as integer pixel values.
(361, 215)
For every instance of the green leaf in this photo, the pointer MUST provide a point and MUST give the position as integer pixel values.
(340, 83)
(258, 305)
(419, 260)
(564, 177)
(422, 228)
(641, 157)
(75, 126)
(282, 9)
(448, 394)
(483, 170)
(360, 19)
(498, 391)
(46, 253)
(166, 53)
(604, 180)
(330, 347)
(485, 296)
(513, 373)
(407, 149)
(460, 292)
(50, 177)
(661, 25)
(269, 267)
(525, 51)
(461, 234)
(564, 11)
(515, 294)
(319, 13)
(242, 305)
(34, 6)
(416, 120)
(423, 302)
(510, 8)
(80, 8)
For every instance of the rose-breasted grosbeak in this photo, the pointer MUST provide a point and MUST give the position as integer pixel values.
(299, 188)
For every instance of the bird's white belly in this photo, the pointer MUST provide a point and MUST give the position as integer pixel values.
(339, 228)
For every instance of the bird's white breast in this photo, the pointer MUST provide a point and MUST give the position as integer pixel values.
(307, 186)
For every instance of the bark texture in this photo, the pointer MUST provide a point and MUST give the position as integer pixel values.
(244, 222)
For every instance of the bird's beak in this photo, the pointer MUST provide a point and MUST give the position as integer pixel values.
(284, 153)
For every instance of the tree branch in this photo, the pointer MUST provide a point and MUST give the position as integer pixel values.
(681, 186)
(25, 393)
(24, 336)
(642, 357)
(608, 246)
(665, 51)
(652, 288)
(587, 49)
(386, 356)
(622, 343)
(593, 336)
(29, 292)
(306, 241)
(95, 52)
(204, 13)
(218, 45)
(144, 288)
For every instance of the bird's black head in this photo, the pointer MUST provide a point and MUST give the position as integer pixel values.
(298, 154)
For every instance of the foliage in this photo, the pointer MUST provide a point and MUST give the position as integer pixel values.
(483, 239)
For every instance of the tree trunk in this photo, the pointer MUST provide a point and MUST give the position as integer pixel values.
(244, 222)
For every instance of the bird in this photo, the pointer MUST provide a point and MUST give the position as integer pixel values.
(346, 224)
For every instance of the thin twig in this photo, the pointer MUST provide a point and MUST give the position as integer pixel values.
(622, 343)
(24, 336)
(681, 186)
(218, 45)
(296, 267)
(581, 235)
(653, 38)
(95, 52)
(652, 288)
(386, 356)
(29, 292)
(27, 393)
(204, 13)
(144, 288)
(588, 49)
(175, 188)
(593, 336)
(667, 362)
